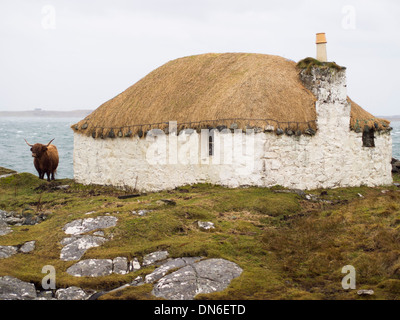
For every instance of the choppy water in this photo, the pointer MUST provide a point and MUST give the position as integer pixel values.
(15, 154)
(396, 139)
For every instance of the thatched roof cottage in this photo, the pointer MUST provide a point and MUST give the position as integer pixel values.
(234, 119)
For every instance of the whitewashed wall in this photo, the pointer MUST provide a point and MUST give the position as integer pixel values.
(293, 162)
(334, 157)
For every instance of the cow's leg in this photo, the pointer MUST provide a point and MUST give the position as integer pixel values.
(48, 176)
(52, 176)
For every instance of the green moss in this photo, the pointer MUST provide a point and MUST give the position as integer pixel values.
(4, 171)
(308, 64)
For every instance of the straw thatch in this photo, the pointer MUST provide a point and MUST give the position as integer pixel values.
(359, 118)
(210, 90)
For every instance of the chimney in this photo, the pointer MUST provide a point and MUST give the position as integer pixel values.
(321, 47)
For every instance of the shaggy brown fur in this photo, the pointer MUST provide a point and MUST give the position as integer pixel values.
(45, 159)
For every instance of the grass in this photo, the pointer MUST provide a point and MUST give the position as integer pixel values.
(4, 171)
(288, 247)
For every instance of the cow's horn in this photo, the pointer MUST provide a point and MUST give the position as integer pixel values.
(31, 145)
(50, 142)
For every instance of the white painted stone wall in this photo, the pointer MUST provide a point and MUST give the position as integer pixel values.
(293, 162)
(334, 157)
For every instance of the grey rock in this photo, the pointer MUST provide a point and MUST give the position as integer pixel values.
(14, 289)
(179, 285)
(12, 221)
(7, 251)
(91, 268)
(28, 247)
(63, 187)
(134, 265)
(154, 257)
(365, 292)
(161, 271)
(69, 240)
(72, 293)
(396, 185)
(299, 192)
(89, 224)
(120, 265)
(4, 228)
(167, 266)
(45, 295)
(138, 281)
(205, 276)
(191, 260)
(269, 128)
(30, 220)
(75, 247)
(310, 132)
(234, 126)
(215, 274)
(98, 233)
(141, 213)
(205, 225)
(3, 215)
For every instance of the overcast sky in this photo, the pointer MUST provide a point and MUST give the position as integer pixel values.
(67, 55)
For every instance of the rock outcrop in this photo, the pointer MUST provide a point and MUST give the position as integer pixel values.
(72, 293)
(205, 276)
(74, 247)
(82, 226)
(14, 289)
(8, 251)
(91, 268)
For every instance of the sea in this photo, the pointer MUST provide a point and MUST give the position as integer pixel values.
(15, 153)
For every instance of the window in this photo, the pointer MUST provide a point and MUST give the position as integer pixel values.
(211, 143)
(368, 137)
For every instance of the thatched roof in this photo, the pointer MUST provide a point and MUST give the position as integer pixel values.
(359, 118)
(210, 90)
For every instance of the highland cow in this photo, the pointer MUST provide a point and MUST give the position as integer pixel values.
(45, 159)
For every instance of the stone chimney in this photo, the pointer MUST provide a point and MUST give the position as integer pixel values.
(330, 89)
(321, 47)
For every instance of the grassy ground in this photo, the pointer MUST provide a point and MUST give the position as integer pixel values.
(288, 247)
(4, 171)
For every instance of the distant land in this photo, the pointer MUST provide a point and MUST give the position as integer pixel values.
(85, 112)
(390, 118)
(44, 113)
